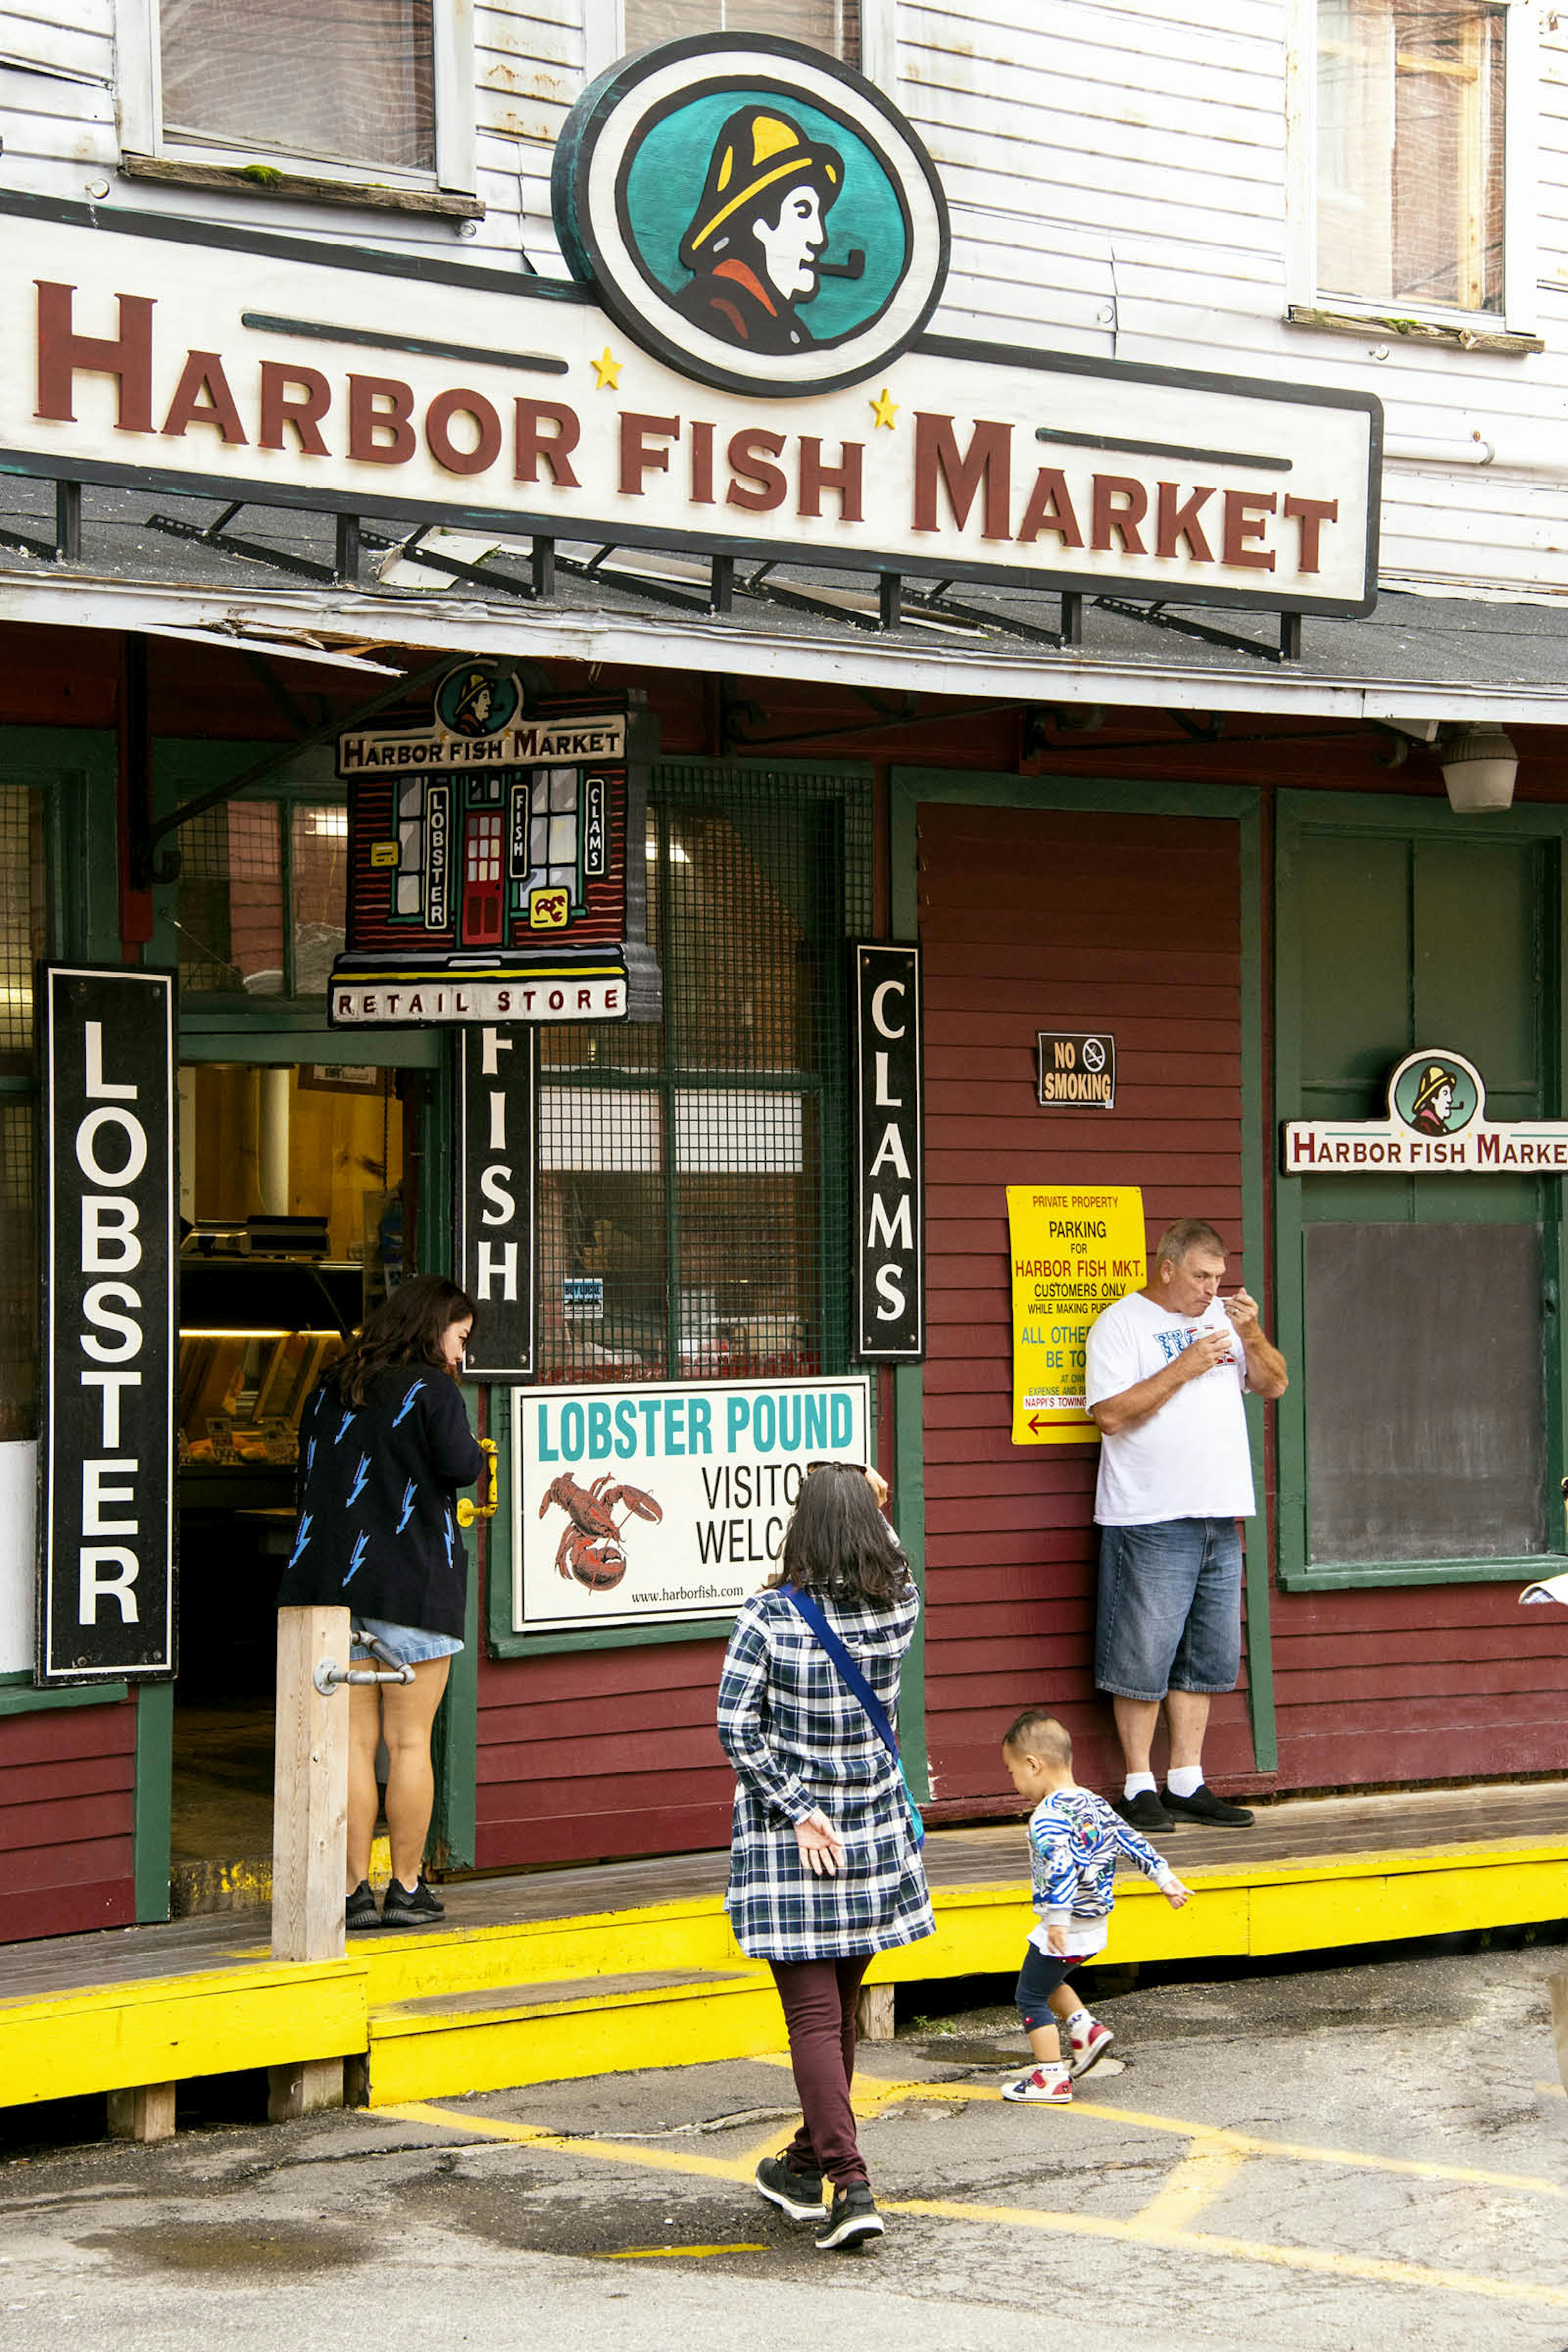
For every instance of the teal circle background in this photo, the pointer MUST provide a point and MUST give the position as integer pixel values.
(1465, 1097)
(503, 681)
(664, 183)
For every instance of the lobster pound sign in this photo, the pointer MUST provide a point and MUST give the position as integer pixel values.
(590, 1549)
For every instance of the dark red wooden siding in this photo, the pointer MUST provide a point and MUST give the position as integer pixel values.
(1038, 920)
(66, 1819)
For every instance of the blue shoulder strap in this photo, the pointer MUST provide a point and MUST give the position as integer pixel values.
(848, 1672)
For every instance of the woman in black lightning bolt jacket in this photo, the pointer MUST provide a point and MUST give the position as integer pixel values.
(384, 1443)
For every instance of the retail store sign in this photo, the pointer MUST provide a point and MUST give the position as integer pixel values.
(493, 1197)
(1435, 1124)
(1075, 1250)
(1076, 1070)
(664, 1502)
(889, 1163)
(489, 879)
(106, 1517)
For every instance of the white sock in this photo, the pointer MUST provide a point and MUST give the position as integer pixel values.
(1184, 1779)
(1079, 2023)
(1135, 1781)
(1049, 2066)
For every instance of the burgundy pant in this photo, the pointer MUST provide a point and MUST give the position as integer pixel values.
(819, 1998)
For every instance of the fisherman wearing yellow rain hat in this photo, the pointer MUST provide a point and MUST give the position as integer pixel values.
(1432, 1106)
(756, 234)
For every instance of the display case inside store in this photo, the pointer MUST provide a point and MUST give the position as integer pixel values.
(255, 1335)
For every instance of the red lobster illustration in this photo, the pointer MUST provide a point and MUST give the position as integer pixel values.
(590, 1549)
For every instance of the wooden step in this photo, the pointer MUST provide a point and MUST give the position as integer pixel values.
(504, 2036)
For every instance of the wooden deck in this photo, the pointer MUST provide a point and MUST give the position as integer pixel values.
(513, 1986)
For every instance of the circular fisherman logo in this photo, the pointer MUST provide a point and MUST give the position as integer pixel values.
(477, 697)
(1436, 1092)
(752, 212)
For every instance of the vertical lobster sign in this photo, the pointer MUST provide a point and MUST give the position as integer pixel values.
(494, 1198)
(889, 1165)
(106, 1514)
(496, 860)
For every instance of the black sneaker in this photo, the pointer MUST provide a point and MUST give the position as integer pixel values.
(1144, 1811)
(798, 2194)
(850, 2219)
(401, 1909)
(1203, 1805)
(360, 1911)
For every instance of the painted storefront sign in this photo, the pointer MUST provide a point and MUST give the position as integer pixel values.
(493, 1197)
(889, 1163)
(746, 364)
(106, 1520)
(1435, 1123)
(1074, 1069)
(489, 879)
(664, 1502)
(1075, 1250)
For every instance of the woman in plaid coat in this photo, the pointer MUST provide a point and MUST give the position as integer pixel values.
(824, 1867)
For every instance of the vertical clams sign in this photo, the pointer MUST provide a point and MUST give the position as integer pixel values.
(106, 1527)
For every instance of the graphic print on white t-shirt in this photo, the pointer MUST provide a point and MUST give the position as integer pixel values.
(1190, 1460)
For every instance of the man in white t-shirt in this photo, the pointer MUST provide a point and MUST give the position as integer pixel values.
(1167, 1369)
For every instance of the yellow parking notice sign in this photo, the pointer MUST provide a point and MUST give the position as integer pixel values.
(1076, 1249)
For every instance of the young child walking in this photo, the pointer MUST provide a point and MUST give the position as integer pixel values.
(1074, 1841)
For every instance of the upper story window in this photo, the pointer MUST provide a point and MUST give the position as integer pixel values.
(830, 24)
(376, 97)
(326, 81)
(1410, 153)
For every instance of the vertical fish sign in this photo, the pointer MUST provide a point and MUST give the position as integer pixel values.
(494, 1204)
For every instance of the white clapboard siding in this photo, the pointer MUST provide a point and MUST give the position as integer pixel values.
(79, 45)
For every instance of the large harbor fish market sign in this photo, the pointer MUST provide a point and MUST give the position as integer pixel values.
(742, 362)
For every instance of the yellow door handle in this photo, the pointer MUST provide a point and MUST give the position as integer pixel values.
(467, 1509)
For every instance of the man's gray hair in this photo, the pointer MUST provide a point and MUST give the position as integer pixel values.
(1186, 1235)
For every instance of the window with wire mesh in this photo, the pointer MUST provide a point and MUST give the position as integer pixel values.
(693, 1187)
(23, 941)
(22, 918)
(260, 901)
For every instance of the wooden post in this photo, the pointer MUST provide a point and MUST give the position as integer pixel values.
(874, 2013)
(310, 1789)
(1559, 2024)
(145, 2113)
(303, 2089)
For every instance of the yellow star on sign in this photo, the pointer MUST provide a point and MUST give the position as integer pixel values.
(884, 410)
(608, 371)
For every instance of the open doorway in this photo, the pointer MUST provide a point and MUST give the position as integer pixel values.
(293, 1214)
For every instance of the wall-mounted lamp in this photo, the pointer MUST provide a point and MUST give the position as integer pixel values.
(1480, 764)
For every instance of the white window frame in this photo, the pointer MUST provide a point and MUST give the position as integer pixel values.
(605, 39)
(140, 99)
(1521, 86)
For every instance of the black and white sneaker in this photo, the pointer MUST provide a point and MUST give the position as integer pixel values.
(849, 2221)
(360, 1911)
(798, 2194)
(402, 1909)
(1203, 1805)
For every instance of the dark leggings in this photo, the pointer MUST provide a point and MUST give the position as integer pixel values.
(819, 1998)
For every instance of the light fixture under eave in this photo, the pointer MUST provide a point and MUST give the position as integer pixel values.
(1480, 764)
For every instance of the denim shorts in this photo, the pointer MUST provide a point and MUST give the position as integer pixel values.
(1170, 1608)
(1041, 1973)
(410, 1644)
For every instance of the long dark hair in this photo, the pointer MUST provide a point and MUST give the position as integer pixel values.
(837, 1542)
(405, 1328)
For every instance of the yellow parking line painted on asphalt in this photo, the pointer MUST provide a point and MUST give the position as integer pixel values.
(654, 2160)
(1193, 2183)
(1355, 2159)
(662, 2253)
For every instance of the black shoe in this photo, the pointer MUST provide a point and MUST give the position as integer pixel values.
(851, 2219)
(1144, 1811)
(798, 2194)
(360, 1911)
(1203, 1805)
(401, 1909)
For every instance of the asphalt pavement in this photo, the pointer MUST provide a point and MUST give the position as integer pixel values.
(1337, 2159)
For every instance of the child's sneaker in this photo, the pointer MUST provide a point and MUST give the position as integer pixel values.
(1095, 2043)
(1045, 2086)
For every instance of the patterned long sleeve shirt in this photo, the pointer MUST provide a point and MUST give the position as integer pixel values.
(1075, 1842)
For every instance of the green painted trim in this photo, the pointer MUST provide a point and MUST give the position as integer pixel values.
(457, 1762)
(20, 1696)
(910, 1519)
(155, 1798)
(615, 1637)
(907, 788)
(225, 1035)
(1396, 816)
(1419, 1571)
